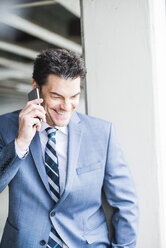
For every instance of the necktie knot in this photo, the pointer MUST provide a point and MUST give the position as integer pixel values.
(51, 132)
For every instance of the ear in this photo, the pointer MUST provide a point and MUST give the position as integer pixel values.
(34, 84)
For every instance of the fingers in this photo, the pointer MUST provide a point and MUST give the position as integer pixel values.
(33, 110)
(35, 101)
(33, 104)
(27, 130)
(38, 114)
(36, 124)
(29, 122)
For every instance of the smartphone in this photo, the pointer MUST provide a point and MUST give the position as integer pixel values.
(33, 94)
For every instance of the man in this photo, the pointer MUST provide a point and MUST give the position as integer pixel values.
(57, 162)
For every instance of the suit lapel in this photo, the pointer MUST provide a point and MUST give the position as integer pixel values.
(74, 142)
(36, 152)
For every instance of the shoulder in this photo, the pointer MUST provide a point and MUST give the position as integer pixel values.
(9, 119)
(92, 119)
(10, 116)
(92, 122)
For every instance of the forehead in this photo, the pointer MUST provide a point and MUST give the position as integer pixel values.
(56, 82)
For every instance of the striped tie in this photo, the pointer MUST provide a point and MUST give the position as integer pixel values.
(52, 170)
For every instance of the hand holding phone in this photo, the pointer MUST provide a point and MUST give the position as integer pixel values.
(30, 120)
(32, 95)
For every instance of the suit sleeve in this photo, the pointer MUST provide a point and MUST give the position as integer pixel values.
(121, 195)
(9, 163)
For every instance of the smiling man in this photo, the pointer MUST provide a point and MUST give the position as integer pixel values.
(56, 163)
(61, 97)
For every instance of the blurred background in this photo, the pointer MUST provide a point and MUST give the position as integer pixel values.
(26, 28)
(124, 46)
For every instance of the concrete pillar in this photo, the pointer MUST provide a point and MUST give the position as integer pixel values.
(117, 39)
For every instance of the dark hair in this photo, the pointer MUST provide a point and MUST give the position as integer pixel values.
(60, 62)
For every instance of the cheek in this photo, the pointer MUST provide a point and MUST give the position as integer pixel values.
(75, 104)
(49, 103)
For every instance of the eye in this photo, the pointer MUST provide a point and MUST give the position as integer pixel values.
(75, 97)
(56, 97)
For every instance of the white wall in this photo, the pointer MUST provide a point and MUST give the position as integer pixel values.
(158, 37)
(117, 43)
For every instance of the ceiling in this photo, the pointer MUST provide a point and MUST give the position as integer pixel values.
(26, 28)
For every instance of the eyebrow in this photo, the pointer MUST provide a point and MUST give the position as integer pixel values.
(57, 94)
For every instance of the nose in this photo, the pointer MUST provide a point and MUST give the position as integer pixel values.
(66, 105)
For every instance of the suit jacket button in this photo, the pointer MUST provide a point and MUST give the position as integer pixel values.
(52, 214)
(42, 242)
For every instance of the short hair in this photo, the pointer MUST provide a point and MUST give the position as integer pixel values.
(60, 62)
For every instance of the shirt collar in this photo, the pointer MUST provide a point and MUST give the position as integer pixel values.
(44, 125)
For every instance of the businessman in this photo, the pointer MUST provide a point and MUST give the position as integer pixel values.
(57, 162)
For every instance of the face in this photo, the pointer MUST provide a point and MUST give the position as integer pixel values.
(61, 97)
